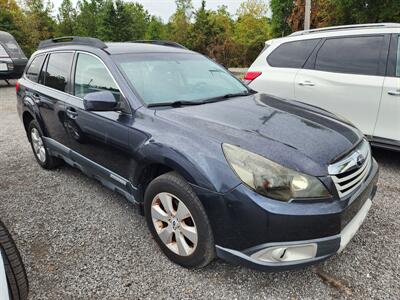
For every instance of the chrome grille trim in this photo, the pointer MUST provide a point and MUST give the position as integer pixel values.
(347, 175)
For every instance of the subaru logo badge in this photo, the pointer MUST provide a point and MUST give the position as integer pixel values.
(360, 160)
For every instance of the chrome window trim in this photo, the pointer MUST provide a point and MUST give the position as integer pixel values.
(109, 73)
(72, 95)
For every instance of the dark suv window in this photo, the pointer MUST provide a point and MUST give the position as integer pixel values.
(354, 55)
(34, 69)
(58, 70)
(92, 76)
(292, 54)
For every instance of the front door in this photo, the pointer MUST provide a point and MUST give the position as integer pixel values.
(100, 140)
(346, 78)
(388, 125)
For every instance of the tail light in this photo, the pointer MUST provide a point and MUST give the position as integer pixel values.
(250, 76)
(17, 87)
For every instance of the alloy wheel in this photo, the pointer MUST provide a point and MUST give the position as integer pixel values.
(174, 224)
(38, 146)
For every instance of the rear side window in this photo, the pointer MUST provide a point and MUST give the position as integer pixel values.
(292, 54)
(92, 76)
(353, 55)
(34, 69)
(58, 70)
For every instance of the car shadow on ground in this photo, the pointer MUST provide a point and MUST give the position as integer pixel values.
(388, 158)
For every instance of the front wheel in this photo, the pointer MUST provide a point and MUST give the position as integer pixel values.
(178, 222)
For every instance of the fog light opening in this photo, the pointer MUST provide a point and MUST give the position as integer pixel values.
(286, 253)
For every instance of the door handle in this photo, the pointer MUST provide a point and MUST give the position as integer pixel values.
(306, 83)
(394, 93)
(36, 98)
(72, 113)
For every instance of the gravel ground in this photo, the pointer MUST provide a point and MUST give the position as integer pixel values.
(80, 240)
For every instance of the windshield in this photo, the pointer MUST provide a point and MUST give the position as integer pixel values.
(170, 77)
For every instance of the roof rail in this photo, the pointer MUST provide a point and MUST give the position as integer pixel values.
(72, 40)
(347, 27)
(161, 43)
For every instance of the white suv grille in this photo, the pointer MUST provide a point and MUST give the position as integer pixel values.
(349, 173)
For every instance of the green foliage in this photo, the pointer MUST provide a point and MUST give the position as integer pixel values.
(66, 19)
(281, 10)
(231, 40)
(252, 28)
(155, 29)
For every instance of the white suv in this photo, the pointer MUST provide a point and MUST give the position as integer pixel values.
(353, 71)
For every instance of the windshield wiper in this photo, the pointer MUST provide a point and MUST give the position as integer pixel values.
(228, 96)
(177, 103)
(180, 103)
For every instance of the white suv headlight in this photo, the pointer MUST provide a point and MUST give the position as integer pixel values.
(271, 179)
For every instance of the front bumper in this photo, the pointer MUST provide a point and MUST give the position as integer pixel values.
(325, 248)
(245, 223)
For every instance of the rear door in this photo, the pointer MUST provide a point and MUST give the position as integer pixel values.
(279, 68)
(52, 91)
(345, 76)
(387, 128)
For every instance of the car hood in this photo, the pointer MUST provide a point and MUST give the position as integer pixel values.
(296, 135)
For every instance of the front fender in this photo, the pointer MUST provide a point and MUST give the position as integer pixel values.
(207, 168)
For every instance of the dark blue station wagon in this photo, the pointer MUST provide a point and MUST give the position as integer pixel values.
(216, 168)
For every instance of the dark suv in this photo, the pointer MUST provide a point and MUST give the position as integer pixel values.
(12, 58)
(217, 168)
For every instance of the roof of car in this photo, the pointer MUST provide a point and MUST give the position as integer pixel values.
(142, 46)
(128, 47)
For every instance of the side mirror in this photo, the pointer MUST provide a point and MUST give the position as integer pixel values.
(100, 101)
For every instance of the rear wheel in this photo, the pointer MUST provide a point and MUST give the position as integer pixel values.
(13, 268)
(40, 152)
(178, 221)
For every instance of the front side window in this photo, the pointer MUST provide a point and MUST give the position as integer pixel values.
(168, 77)
(292, 54)
(92, 76)
(34, 69)
(352, 55)
(58, 70)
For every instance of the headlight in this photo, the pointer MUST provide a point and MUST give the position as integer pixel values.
(271, 179)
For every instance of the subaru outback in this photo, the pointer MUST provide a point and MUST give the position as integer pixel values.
(217, 169)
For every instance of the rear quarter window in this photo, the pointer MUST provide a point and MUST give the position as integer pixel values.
(292, 54)
(35, 67)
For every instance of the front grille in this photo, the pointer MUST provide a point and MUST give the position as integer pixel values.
(349, 173)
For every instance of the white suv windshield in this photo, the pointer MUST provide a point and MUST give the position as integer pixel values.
(170, 77)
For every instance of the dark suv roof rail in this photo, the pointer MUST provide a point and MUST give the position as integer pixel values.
(72, 40)
(161, 43)
(347, 27)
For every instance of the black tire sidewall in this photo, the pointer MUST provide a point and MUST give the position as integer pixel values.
(15, 271)
(174, 184)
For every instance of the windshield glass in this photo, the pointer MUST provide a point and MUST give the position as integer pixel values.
(169, 77)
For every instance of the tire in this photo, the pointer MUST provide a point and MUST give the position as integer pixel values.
(198, 251)
(46, 161)
(14, 268)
